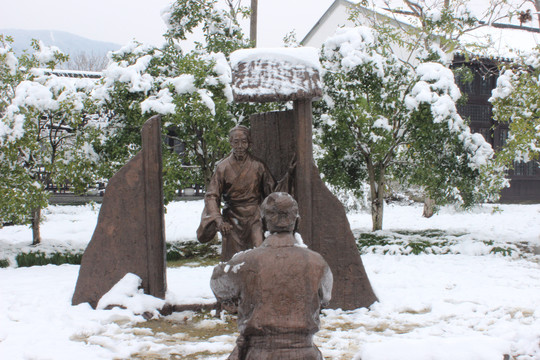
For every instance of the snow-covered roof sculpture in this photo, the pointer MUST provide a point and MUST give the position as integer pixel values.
(276, 74)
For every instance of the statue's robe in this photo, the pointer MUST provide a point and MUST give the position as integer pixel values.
(243, 186)
(279, 289)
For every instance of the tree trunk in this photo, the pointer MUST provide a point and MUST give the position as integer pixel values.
(36, 219)
(429, 207)
(207, 175)
(377, 207)
(377, 196)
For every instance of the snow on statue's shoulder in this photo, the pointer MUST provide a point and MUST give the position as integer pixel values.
(276, 74)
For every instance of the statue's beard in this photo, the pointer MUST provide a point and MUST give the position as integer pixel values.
(240, 155)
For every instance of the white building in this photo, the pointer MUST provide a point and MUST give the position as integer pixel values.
(502, 31)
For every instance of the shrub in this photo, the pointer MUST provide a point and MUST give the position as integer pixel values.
(39, 258)
(190, 250)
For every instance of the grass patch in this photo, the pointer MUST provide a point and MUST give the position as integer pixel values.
(178, 254)
(431, 241)
(39, 258)
(501, 250)
(429, 233)
(365, 240)
(191, 250)
(405, 242)
(422, 246)
(194, 262)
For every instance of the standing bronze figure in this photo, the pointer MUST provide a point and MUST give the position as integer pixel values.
(243, 181)
(279, 289)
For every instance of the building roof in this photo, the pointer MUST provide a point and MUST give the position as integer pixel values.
(73, 73)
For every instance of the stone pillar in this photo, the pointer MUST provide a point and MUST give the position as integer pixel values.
(130, 233)
(323, 224)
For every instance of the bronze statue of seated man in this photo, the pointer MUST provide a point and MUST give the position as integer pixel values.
(278, 288)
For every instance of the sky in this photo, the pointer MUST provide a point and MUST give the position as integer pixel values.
(120, 21)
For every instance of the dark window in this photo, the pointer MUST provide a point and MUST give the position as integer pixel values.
(179, 147)
(525, 168)
(484, 84)
(503, 135)
(477, 114)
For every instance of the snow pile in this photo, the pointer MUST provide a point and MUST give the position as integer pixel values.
(127, 294)
(48, 93)
(8, 59)
(354, 46)
(436, 86)
(504, 86)
(223, 72)
(162, 103)
(480, 151)
(183, 84)
(299, 241)
(46, 54)
(134, 75)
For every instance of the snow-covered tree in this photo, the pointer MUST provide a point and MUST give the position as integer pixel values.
(45, 132)
(191, 90)
(440, 25)
(516, 101)
(389, 113)
(527, 14)
(86, 62)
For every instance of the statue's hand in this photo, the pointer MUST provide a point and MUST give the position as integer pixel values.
(224, 227)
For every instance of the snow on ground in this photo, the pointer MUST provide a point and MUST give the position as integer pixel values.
(468, 304)
(441, 307)
(71, 227)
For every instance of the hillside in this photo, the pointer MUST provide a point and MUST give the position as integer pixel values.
(77, 47)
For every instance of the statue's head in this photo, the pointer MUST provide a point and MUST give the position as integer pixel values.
(279, 212)
(240, 140)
